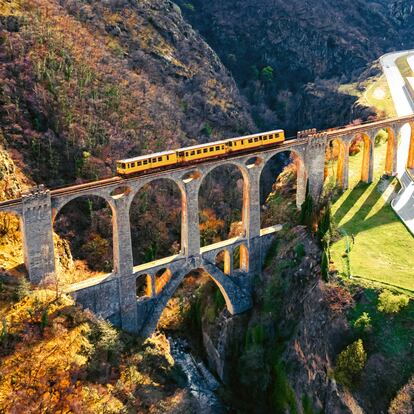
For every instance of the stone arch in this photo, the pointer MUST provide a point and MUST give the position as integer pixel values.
(239, 194)
(58, 203)
(241, 258)
(156, 209)
(12, 244)
(144, 286)
(335, 162)
(254, 162)
(121, 191)
(236, 299)
(85, 224)
(272, 169)
(367, 163)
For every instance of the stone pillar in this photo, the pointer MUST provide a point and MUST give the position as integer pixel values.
(123, 263)
(128, 301)
(392, 150)
(315, 164)
(345, 168)
(244, 258)
(302, 182)
(251, 203)
(37, 229)
(228, 262)
(190, 223)
(410, 160)
(367, 174)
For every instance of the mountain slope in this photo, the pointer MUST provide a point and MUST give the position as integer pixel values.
(275, 48)
(86, 82)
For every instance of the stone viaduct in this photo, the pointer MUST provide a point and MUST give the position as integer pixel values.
(113, 296)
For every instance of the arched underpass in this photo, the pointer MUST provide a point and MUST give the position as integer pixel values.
(282, 188)
(155, 219)
(221, 205)
(84, 239)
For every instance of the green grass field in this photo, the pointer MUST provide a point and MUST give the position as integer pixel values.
(383, 248)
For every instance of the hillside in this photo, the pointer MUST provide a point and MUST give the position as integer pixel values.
(84, 83)
(289, 58)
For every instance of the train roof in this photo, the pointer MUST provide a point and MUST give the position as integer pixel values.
(207, 144)
(255, 135)
(144, 157)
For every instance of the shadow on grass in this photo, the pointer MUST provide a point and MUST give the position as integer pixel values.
(358, 222)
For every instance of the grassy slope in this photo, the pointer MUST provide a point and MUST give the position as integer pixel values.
(372, 92)
(383, 246)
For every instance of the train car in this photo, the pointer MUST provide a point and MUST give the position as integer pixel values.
(146, 163)
(202, 151)
(256, 140)
(196, 153)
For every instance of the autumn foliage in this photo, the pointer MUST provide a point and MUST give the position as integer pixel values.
(56, 358)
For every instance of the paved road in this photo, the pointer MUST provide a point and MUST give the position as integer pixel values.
(403, 204)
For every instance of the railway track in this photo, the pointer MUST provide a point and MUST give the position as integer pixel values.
(289, 143)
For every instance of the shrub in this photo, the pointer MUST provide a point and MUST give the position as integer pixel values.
(390, 303)
(22, 289)
(350, 363)
(381, 137)
(363, 322)
(300, 250)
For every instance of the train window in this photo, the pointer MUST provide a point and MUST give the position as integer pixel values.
(250, 140)
(217, 148)
(222, 147)
(159, 158)
(186, 153)
(264, 138)
(205, 150)
(180, 154)
(242, 141)
(139, 163)
(230, 144)
(211, 149)
(192, 152)
(145, 162)
(256, 139)
(276, 135)
(132, 164)
(198, 151)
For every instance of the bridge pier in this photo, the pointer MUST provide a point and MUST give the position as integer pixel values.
(410, 159)
(315, 165)
(190, 230)
(39, 255)
(123, 263)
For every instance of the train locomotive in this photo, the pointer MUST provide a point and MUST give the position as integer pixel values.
(197, 153)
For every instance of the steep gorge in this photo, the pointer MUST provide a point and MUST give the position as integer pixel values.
(288, 58)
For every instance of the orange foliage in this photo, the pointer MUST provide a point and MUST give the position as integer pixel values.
(210, 226)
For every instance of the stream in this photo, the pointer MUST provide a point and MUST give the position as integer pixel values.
(201, 382)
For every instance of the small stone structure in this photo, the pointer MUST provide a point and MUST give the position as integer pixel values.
(114, 296)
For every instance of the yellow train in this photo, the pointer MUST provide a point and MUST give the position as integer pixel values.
(197, 153)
